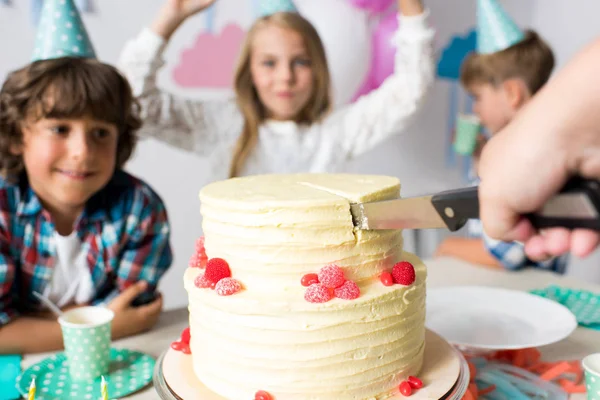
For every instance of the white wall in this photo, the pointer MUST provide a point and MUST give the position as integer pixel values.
(416, 156)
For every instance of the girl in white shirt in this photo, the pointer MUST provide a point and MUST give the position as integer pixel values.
(280, 121)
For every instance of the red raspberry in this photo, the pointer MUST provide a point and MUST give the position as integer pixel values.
(186, 336)
(405, 388)
(178, 345)
(348, 291)
(309, 279)
(200, 246)
(262, 395)
(404, 273)
(387, 279)
(415, 382)
(185, 349)
(197, 261)
(317, 293)
(331, 276)
(217, 269)
(228, 286)
(203, 283)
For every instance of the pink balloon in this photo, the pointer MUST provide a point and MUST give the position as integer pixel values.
(383, 55)
(373, 6)
(384, 51)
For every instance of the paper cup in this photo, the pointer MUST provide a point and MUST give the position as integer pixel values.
(467, 130)
(591, 367)
(86, 336)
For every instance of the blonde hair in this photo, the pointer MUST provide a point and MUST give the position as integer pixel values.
(250, 105)
(531, 60)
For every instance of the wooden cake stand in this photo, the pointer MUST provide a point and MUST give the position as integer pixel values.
(445, 375)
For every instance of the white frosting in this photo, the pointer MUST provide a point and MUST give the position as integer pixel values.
(272, 230)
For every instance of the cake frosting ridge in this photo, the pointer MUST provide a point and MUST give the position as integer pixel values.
(272, 230)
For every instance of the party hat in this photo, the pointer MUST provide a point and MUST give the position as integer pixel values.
(61, 32)
(268, 7)
(496, 31)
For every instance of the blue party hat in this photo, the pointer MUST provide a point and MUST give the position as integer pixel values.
(496, 30)
(61, 32)
(268, 7)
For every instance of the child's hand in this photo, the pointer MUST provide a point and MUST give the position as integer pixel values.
(133, 320)
(187, 8)
(174, 12)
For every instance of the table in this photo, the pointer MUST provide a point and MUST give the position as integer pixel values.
(441, 272)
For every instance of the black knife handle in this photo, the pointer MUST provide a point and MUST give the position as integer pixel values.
(576, 206)
(457, 206)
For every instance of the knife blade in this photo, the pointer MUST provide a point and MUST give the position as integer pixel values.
(576, 206)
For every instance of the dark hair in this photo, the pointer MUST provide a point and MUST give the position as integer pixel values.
(65, 87)
(531, 60)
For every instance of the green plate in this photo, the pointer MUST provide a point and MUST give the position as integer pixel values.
(129, 372)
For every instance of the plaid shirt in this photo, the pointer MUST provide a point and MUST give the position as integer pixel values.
(512, 254)
(124, 231)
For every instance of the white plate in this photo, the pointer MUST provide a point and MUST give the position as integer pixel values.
(486, 318)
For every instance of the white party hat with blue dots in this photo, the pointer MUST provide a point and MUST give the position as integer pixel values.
(496, 30)
(268, 7)
(61, 32)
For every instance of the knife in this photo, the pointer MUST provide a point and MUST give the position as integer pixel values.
(577, 205)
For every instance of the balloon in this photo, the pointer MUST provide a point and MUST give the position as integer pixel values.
(383, 55)
(346, 35)
(384, 50)
(373, 6)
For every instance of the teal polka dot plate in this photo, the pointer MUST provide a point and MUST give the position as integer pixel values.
(129, 371)
(583, 304)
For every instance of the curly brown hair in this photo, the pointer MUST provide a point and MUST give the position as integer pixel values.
(66, 87)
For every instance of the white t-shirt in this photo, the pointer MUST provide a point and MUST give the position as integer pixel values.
(71, 277)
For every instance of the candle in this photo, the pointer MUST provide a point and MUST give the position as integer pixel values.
(104, 389)
(31, 395)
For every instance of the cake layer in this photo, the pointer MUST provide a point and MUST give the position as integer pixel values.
(273, 229)
(341, 349)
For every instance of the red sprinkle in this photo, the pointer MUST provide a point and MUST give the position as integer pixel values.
(317, 293)
(262, 395)
(309, 279)
(405, 388)
(203, 283)
(404, 273)
(186, 336)
(331, 276)
(177, 346)
(387, 279)
(348, 291)
(217, 269)
(415, 382)
(228, 286)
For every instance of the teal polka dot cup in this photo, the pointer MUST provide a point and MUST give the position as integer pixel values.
(468, 128)
(86, 336)
(591, 368)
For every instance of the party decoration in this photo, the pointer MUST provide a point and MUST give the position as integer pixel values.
(85, 6)
(383, 55)
(346, 35)
(61, 32)
(268, 7)
(496, 30)
(373, 6)
(448, 68)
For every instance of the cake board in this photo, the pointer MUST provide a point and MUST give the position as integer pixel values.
(445, 374)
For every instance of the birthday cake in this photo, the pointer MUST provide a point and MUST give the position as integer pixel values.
(287, 300)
